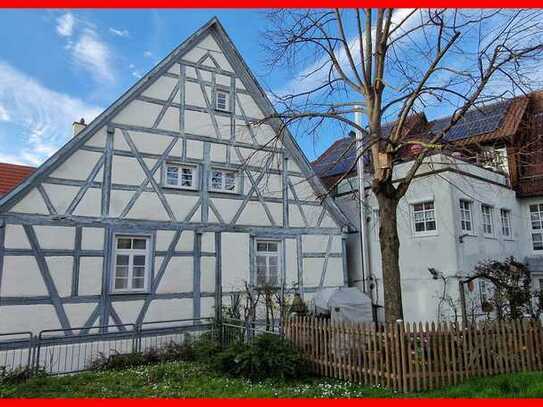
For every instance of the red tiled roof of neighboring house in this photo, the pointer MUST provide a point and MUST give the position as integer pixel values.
(11, 175)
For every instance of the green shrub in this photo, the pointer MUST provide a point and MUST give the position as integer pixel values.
(201, 349)
(18, 375)
(268, 356)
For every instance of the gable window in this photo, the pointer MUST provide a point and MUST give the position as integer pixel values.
(536, 220)
(223, 180)
(505, 215)
(221, 101)
(267, 262)
(131, 263)
(487, 219)
(466, 216)
(180, 176)
(424, 217)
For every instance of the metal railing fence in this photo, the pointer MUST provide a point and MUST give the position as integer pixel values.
(63, 351)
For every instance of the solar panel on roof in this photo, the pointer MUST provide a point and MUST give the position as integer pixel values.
(477, 121)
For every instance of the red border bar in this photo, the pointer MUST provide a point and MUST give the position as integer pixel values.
(221, 4)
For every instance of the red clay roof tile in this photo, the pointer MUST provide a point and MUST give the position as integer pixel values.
(11, 175)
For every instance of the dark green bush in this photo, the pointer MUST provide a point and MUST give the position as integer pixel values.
(202, 349)
(268, 356)
(18, 375)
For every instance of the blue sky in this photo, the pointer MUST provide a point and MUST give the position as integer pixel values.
(57, 66)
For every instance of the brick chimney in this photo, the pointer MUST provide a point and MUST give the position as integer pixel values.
(77, 127)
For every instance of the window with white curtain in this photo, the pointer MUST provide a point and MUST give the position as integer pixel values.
(131, 263)
(268, 263)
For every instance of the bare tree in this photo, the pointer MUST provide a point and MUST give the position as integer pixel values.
(390, 64)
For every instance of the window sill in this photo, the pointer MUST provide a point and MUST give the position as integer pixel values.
(492, 237)
(420, 235)
(130, 293)
(180, 188)
(216, 191)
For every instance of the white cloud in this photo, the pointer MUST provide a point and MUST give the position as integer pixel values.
(119, 33)
(65, 25)
(90, 53)
(40, 118)
(4, 115)
(147, 54)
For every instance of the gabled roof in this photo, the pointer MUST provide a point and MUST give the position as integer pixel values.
(212, 27)
(11, 175)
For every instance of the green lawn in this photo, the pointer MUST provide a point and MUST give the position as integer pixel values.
(183, 379)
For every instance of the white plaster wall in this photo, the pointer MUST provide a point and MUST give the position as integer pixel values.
(148, 206)
(170, 120)
(186, 241)
(164, 309)
(126, 170)
(291, 273)
(312, 272)
(314, 243)
(207, 274)
(61, 196)
(60, 269)
(128, 311)
(235, 269)
(181, 205)
(118, 201)
(90, 204)
(163, 239)
(138, 113)
(334, 273)
(194, 95)
(55, 237)
(218, 152)
(254, 213)
(78, 166)
(207, 307)
(199, 123)
(78, 314)
(21, 277)
(178, 276)
(92, 238)
(144, 142)
(226, 207)
(36, 318)
(98, 139)
(15, 237)
(32, 203)
(90, 275)
(195, 149)
(161, 88)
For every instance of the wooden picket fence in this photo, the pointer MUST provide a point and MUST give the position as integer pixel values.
(414, 357)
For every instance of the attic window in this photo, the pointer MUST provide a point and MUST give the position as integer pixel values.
(221, 101)
(180, 176)
(223, 180)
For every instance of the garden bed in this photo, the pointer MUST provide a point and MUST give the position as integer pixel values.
(192, 379)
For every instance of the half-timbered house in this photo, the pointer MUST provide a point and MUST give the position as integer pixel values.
(172, 198)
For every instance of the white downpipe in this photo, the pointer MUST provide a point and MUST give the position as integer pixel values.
(362, 192)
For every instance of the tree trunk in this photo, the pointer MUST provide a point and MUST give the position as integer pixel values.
(390, 255)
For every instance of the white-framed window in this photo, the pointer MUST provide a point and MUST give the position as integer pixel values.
(536, 221)
(487, 214)
(268, 265)
(131, 263)
(221, 101)
(505, 216)
(222, 180)
(424, 220)
(181, 176)
(466, 216)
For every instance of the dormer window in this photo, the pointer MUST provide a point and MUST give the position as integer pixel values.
(221, 101)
